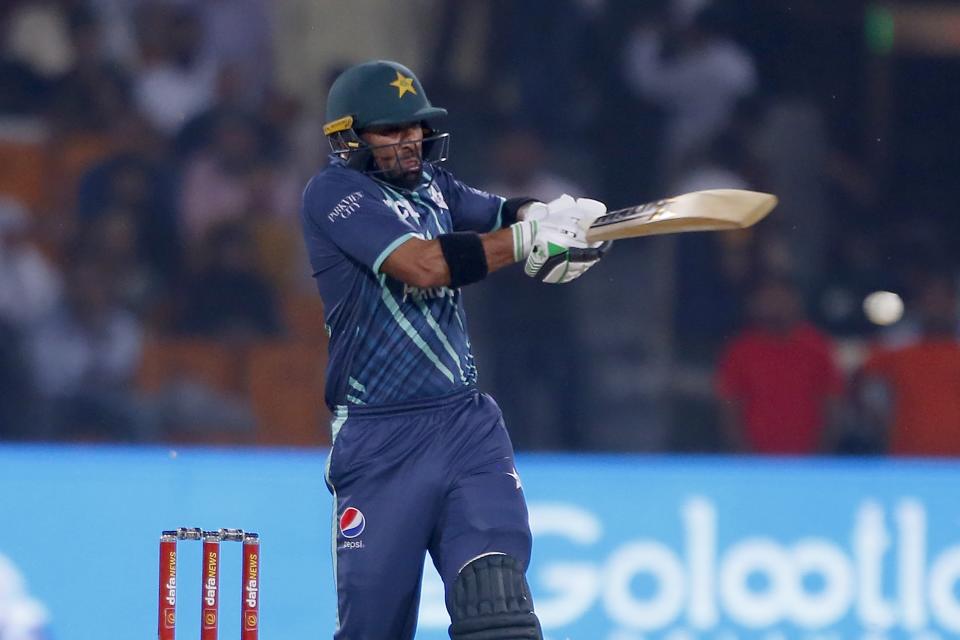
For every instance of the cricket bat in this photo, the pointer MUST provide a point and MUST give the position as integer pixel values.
(711, 210)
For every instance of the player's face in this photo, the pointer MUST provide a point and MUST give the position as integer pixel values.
(397, 150)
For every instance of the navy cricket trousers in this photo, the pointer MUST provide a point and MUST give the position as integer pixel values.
(437, 477)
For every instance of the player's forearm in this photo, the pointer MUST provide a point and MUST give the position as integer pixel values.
(498, 248)
(418, 263)
(431, 268)
(422, 263)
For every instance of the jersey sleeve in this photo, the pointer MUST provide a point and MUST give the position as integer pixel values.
(471, 209)
(357, 219)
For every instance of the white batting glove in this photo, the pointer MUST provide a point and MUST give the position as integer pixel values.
(560, 251)
(523, 235)
(563, 212)
(533, 213)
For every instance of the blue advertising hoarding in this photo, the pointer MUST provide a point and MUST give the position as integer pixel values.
(626, 547)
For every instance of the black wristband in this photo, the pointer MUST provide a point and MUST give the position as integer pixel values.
(465, 257)
(511, 209)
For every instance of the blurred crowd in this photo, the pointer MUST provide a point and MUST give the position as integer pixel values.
(153, 285)
(148, 221)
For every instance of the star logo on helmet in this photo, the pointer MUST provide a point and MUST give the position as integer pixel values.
(404, 85)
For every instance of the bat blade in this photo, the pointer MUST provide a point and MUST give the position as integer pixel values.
(712, 210)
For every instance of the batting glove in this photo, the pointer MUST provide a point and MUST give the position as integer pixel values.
(559, 249)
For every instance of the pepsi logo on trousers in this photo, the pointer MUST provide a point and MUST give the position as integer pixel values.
(352, 522)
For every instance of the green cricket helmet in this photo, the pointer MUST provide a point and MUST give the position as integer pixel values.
(374, 94)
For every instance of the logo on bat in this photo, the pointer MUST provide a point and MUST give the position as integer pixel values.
(646, 212)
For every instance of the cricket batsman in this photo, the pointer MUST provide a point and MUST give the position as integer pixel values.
(421, 460)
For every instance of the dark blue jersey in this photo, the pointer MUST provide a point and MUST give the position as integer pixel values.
(390, 343)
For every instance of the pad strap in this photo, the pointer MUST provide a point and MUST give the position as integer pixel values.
(466, 259)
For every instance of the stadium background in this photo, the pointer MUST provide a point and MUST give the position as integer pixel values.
(154, 296)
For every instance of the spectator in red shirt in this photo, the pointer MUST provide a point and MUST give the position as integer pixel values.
(778, 386)
(913, 392)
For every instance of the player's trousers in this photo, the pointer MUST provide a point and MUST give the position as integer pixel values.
(437, 477)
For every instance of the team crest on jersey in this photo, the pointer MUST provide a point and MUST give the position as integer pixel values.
(437, 196)
(403, 209)
(352, 522)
